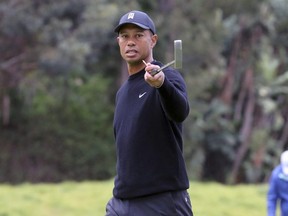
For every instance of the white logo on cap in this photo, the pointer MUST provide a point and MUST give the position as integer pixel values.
(130, 16)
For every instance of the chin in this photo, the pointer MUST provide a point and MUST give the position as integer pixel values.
(134, 62)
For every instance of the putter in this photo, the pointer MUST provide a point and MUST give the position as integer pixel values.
(177, 58)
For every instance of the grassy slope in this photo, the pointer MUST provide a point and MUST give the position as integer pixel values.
(90, 198)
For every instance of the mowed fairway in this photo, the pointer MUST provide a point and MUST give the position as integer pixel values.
(90, 198)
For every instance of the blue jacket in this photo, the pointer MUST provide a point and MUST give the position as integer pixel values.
(278, 191)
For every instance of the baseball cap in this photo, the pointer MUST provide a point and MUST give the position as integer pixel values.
(284, 162)
(138, 18)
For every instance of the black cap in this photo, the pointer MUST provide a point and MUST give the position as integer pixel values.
(138, 18)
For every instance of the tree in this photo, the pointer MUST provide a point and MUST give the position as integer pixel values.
(60, 105)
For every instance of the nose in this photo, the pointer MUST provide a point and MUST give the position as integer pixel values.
(131, 43)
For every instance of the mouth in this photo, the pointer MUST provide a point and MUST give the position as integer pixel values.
(131, 52)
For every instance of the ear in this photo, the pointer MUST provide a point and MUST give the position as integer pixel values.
(154, 39)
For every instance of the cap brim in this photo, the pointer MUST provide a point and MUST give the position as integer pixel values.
(117, 29)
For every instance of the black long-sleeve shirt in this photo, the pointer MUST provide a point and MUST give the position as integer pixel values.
(148, 134)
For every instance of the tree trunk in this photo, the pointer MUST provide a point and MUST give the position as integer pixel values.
(228, 80)
(6, 110)
(246, 129)
(284, 136)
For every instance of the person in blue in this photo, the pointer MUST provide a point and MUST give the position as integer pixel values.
(278, 188)
(151, 175)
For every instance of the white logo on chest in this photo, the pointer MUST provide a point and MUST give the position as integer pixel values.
(141, 95)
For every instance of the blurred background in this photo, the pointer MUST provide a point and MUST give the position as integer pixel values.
(60, 69)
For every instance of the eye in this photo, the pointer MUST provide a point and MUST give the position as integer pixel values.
(139, 35)
(123, 36)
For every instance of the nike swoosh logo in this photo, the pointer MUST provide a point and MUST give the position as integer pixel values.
(141, 95)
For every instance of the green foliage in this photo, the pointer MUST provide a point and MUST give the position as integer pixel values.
(61, 115)
(248, 38)
(71, 121)
(61, 68)
(90, 198)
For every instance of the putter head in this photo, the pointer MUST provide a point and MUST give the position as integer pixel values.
(178, 54)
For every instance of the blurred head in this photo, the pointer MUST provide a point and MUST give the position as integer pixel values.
(284, 162)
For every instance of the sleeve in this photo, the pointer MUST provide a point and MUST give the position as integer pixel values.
(272, 196)
(173, 96)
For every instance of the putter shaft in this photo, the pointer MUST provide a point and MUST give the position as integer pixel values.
(155, 71)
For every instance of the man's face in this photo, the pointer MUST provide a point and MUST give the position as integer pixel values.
(135, 43)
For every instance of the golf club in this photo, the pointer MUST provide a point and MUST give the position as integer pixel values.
(177, 58)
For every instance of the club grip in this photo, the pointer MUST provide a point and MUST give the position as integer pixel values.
(154, 72)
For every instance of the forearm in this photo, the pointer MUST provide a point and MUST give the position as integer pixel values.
(174, 100)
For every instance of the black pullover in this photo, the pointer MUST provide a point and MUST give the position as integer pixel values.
(148, 134)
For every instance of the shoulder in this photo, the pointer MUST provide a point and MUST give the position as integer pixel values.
(276, 171)
(122, 89)
(277, 168)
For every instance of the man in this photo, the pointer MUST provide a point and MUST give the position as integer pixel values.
(151, 175)
(278, 188)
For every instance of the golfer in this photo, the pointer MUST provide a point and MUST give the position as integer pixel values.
(278, 188)
(151, 176)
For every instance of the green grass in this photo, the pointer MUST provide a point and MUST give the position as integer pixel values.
(213, 199)
(90, 198)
